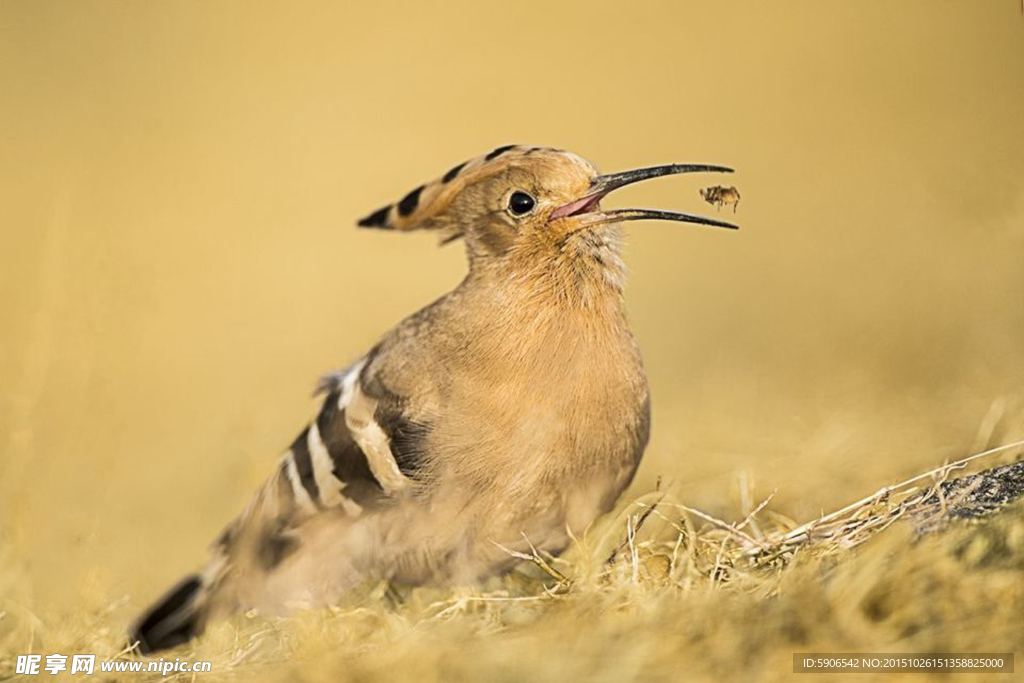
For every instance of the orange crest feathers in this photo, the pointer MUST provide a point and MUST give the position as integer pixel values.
(417, 209)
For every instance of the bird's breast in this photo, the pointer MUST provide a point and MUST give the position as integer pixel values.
(535, 419)
(556, 412)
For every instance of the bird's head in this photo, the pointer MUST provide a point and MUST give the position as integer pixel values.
(520, 199)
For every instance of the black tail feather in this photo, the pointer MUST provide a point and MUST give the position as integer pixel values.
(174, 619)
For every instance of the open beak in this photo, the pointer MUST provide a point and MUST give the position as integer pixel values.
(586, 207)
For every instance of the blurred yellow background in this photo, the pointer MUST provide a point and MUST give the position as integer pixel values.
(179, 183)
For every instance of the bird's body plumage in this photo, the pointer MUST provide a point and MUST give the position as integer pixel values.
(512, 411)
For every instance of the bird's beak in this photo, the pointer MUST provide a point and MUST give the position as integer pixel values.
(585, 208)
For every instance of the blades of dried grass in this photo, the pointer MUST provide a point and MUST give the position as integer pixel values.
(943, 471)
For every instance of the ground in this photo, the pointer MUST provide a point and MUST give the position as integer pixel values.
(659, 591)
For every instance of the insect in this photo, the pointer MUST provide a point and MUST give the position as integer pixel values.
(719, 195)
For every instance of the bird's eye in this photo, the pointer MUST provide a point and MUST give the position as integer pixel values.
(520, 203)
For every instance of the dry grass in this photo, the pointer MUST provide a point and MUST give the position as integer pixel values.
(660, 591)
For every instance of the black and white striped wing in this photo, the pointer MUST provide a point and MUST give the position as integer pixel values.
(359, 452)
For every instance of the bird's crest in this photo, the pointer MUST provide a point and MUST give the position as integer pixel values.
(418, 208)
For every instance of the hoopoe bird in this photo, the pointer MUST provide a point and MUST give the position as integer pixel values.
(513, 410)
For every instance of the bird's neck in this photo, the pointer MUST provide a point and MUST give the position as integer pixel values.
(584, 275)
(550, 318)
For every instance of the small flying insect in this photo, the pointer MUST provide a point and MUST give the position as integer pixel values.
(719, 195)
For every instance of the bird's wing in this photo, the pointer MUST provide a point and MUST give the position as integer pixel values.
(361, 451)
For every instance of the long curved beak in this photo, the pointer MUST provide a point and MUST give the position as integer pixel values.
(585, 207)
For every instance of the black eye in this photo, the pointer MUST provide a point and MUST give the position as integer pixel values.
(520, 203)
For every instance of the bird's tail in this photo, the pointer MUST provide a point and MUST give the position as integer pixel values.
(322, 462)
(179, 615)
(249, 544)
